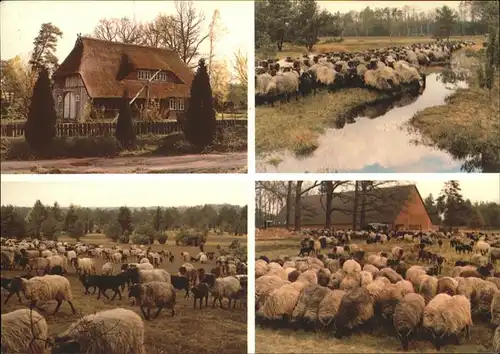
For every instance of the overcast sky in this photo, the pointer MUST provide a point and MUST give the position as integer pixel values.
(346, 6)
(21, 21)
(135, 193)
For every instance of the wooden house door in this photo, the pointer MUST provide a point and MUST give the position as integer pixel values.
(69, 106)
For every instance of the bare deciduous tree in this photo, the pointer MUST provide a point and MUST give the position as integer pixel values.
(122, 30)
(240, 66)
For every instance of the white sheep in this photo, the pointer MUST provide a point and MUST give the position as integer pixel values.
(85, 266)
(227, 287)
(154, 293)
(116, 331)
(108, 268)
(445, 315)
(482, 247)
(24, 331)
(48, 287)
(351, 266)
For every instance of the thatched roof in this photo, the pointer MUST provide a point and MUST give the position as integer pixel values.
(383, 206)
(100, 64)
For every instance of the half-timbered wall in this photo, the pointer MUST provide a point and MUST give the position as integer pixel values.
(70, 97)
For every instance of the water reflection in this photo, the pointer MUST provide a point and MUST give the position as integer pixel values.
(378, 145)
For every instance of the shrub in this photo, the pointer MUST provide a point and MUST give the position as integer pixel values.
(125, 132)
(62, 147)
(162, 239)
(40, 127)
(140, 239)
(200, 124)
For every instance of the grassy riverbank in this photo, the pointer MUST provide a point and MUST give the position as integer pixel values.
(297, 125)
(467, 125)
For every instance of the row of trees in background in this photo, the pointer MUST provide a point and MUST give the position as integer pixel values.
(449, 210)
(302, 22)
(124, 224)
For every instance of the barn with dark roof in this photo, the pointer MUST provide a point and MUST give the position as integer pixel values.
(401, 207)
(97, 72)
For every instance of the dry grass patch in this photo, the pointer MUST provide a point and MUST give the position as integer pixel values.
(297, 125)
(466, 126)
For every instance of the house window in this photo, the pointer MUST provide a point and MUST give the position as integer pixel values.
(148, 74)
(143, 75)
(181, 104)
(172, 104)
(77, 98)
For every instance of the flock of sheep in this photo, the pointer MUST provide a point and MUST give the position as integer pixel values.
(116, 331)
(389, 69)
(346, 289)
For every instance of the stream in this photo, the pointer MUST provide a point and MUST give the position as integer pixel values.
(377, 140)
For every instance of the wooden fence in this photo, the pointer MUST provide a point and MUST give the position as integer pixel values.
(15, 130)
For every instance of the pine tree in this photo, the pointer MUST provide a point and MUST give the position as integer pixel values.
(157, 219)
(451, 204)
(125, 219)
(125, 132)
(70, 218)
(200, 123)
(35, 218)
(40, 127)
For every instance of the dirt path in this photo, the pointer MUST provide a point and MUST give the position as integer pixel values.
(165, 164)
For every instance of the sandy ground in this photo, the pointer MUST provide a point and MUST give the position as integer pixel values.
(191, 163)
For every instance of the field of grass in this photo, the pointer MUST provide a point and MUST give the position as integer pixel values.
(189, 331)
(467, 124)
(297, 125)
(352, 44)
(380, 340)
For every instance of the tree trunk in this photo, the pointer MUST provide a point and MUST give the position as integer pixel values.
(355, 206)
(288, 204)
(298, 211)
(329, 200)
(364, 187)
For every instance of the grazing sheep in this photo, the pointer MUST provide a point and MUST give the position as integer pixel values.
(407, 317)
(307, 305)
(447, 285)
(390, 274)
(144, 276)
(329, 306)
(482, 247)
(496, 340)
(280, 303)
(447, 315)
(351, 266)
(48, 287)
(200, 291)
(116, 331)
(85, 266)
(225, 287)
(108, 269)
(355, 309)
(495, 308)
(24, 331)
(153, 293)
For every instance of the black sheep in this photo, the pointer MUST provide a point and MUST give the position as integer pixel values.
(200, 291)
(105, 282)
(181, 283)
